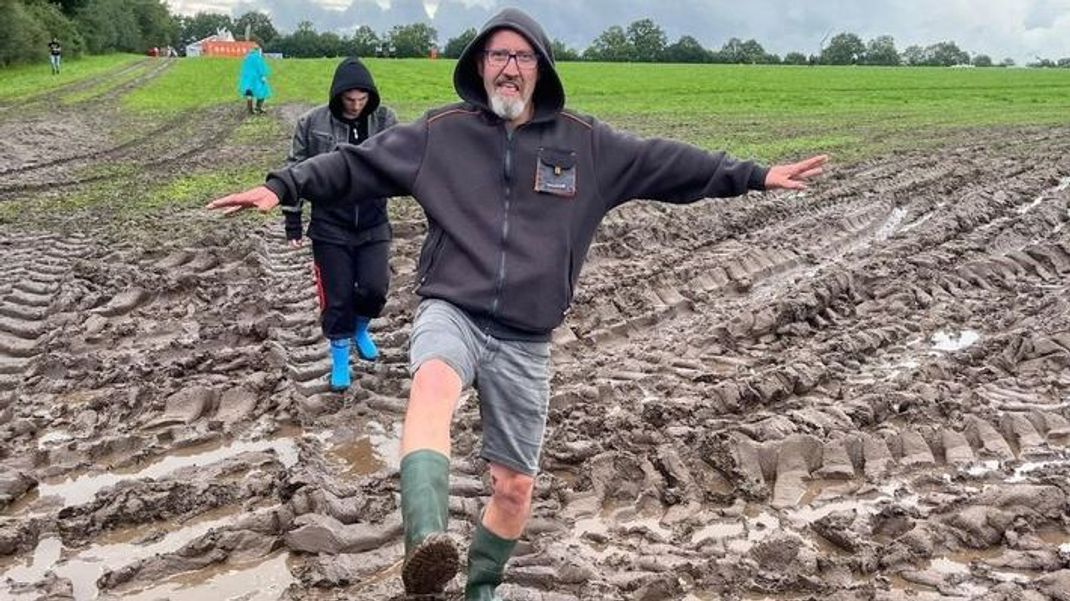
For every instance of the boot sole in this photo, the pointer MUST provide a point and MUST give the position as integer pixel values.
(431, 566)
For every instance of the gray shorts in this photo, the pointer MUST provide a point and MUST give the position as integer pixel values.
(512, 378)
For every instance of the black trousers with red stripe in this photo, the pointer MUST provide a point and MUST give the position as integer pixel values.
(351, 281)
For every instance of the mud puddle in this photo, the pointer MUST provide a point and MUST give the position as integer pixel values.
(83, 566)
(863, 499)
(951, 341)
(255, 581)
(82, 489)
(1064, 183)
(902, 319)
(366, 449)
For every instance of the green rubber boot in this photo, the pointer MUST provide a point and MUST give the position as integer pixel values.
(431, 558)
(486, 564)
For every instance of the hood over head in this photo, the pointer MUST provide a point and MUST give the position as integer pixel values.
(351, 74)
(549, 96)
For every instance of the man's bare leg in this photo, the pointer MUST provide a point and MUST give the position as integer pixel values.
(436, 388)
(431, 558)
(510, 502)
(503, 522)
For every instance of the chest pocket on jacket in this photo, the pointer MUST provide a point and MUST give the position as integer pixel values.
(556, 172)
(322, 141)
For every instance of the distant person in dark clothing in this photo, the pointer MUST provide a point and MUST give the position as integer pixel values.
(350, 243)
(55, 52)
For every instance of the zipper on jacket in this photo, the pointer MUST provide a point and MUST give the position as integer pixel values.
(435, 248)
(506, 201)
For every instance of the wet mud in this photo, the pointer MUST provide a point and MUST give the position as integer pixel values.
(857, 392)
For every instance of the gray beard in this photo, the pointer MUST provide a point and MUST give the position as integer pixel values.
(506, 109)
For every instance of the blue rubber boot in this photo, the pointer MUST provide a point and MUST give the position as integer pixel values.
(365, 346)
(339, 364)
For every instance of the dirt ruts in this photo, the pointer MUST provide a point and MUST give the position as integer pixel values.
(857, 392)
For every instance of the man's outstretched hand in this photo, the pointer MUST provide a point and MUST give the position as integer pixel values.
(260, 198)
(794, 176)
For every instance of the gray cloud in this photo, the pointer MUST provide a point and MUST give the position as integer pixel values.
(1019, 29)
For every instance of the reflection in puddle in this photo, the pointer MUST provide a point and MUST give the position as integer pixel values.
(917, 222)
(23, 503)
(891, 224)
(368, 451)
(757, 526)
(982, 468)
(44, 557)
(82, 489)
(820, 489)
(865, 504)
(265, 581)
(1021, 473)
(84, 566)
(944, 341)
(718, 531)
(1064, 183)
(53, 437)
(594, 532)
(1055, 537)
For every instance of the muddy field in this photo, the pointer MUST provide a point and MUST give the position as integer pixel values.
(860, 392)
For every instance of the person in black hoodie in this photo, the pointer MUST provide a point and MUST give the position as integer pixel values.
(350, 243)
(513, 186)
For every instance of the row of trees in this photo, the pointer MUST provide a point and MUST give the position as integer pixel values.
(415, 40)
(849, 49)
(640, 41)
(100, 26)
(94, 26)
(645, 41)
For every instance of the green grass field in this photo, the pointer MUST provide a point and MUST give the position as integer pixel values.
(760, 111)
(28, 80)
(766, 112)
(769, 113)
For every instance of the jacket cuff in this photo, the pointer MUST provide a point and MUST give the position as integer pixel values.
(275, 185)
(757, 178)
(293, 226)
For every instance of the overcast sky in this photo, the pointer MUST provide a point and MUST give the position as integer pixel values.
(1019, 29)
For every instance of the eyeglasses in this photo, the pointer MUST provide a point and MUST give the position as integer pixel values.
(500, 57)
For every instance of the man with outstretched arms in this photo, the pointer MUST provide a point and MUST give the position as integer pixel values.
(514, 187)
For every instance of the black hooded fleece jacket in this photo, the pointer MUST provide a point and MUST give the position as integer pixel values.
(511, 214)
(320, 130)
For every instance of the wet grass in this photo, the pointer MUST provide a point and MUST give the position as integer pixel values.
(753, 111)
(94, 90)
(28, 80)
(767, 113)
(257, 130)
(133, 195)
(128, 189)
(412, 86)
(195, 190)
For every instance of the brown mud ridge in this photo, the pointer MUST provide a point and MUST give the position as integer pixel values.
(860, 392)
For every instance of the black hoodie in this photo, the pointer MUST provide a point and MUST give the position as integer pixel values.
(321, 130)
(512, 212)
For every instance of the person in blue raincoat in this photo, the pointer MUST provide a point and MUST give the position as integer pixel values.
(253, 81)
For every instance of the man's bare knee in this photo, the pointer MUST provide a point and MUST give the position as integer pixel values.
(436, 381)
(511, 490)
